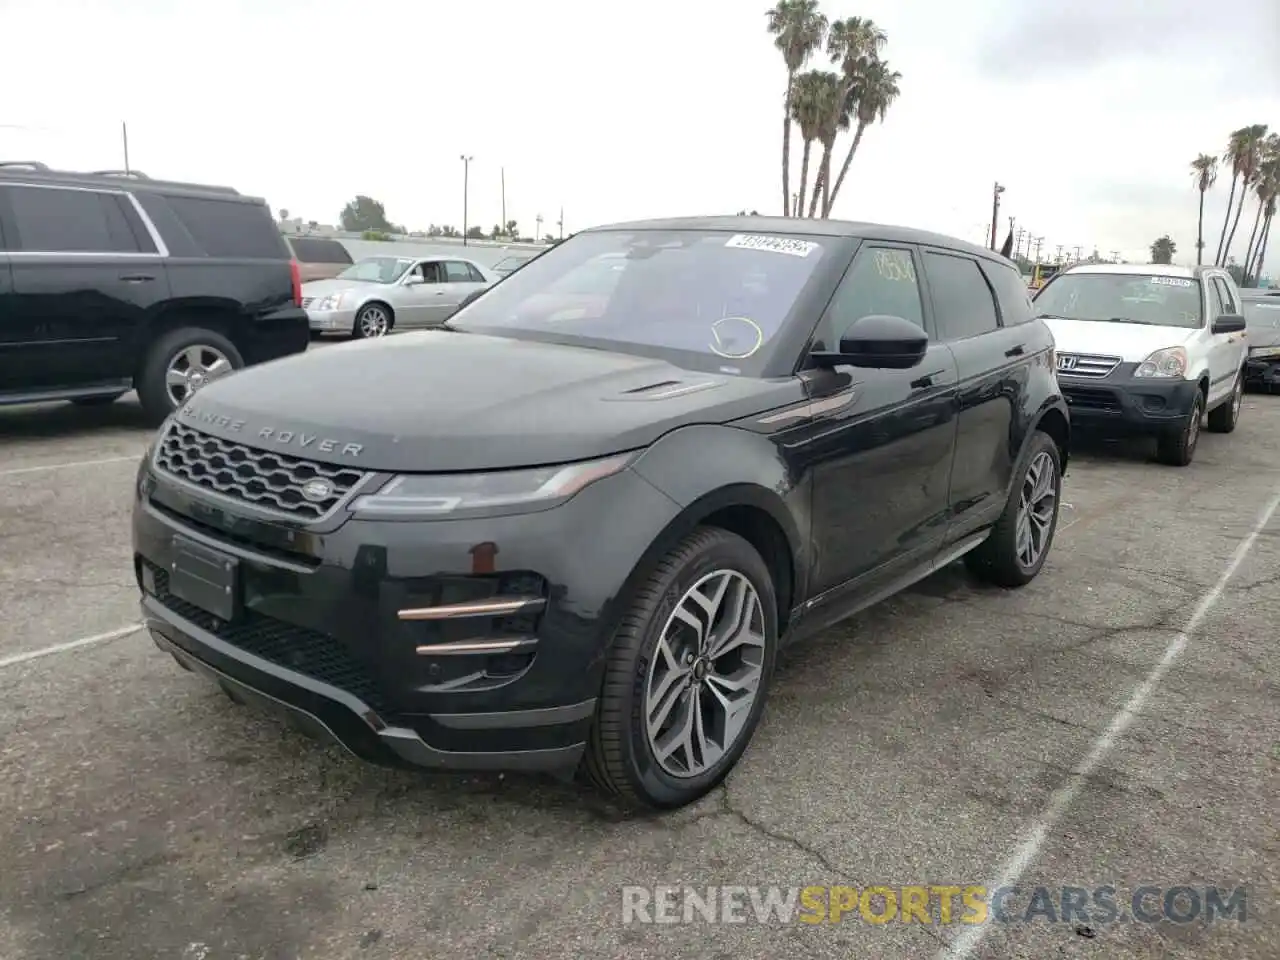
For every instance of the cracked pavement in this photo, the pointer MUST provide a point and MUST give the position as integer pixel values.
(148, 816)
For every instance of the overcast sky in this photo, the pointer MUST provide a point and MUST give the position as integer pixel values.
(1089, 112)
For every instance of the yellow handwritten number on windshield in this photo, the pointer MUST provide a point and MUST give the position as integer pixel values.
(735, 338)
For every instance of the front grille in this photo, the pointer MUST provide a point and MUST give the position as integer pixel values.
(1086, 365)
(259, 477)
(309, 652)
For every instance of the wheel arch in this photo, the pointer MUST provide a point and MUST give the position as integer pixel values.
(207, 313)
(1055, 422)
(378, 302)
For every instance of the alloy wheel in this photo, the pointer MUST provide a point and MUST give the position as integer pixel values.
(1037, 507)
(193, 367)
(374, 322)
(705, 674)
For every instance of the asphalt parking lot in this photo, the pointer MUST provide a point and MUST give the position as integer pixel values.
(955, 735)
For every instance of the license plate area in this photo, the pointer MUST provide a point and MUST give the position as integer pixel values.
(209, 579)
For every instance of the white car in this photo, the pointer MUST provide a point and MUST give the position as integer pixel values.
(1149, 349)
(379, 294)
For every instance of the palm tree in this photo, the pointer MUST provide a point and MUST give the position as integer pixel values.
(1204, 170)
(835, 119)
(1267, 150)
(874, 92)
(798, 29)
(1163, 249)
(852, 44)
(1268, 190)
(1234, 154)
(1250, 148)
(809, 109)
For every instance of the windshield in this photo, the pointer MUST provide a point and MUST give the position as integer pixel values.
(377, 269)
(1121, 297)
(702, 299)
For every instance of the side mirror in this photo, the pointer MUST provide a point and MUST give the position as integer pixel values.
(473, 295)
(414, 280)
(1229, 323)
(877, 341)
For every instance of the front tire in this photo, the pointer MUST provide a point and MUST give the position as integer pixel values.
(1179, 449)
(373, 320)
(687, 675)
(1227, 415)
(178, 364)
(1019, 543)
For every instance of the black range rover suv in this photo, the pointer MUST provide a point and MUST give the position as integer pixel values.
(112, 281)
(574, 526)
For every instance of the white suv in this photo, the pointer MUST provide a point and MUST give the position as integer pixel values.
(1149, 349)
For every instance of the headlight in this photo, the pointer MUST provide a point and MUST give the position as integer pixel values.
(1169, 362)
(441, 495)
(331, 301)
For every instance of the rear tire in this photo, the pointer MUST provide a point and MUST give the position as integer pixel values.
(1227, 415)
(656, 651)
(1019, 543)
(1178, 449)
(175, 352)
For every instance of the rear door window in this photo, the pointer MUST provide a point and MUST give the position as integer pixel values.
(1012, 296)
(458, 272)
(230, 228)
(56, 220)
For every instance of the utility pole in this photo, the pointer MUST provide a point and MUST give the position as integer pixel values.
(1058, 259)
(560, 223)
(504, 199)
(1039, 244)
(1078, 251)
(995, 211)
(1017, 242)
(466, 184)
(124, 135)
(1115, 256)
(537, 234)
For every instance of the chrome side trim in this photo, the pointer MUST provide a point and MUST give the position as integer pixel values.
(813, 408)
(500, 607)
(467, 647)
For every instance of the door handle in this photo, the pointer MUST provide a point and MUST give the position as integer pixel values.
(926, 381)
(138, 278)
(1014, 351)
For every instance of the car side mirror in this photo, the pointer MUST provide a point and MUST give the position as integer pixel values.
(1229, 323)
(414, 280)
(878, 341)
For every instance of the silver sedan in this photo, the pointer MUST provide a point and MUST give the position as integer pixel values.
(379, 294)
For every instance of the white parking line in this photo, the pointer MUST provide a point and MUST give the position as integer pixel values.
(71, 645)
(65, 466)
(1027, 852)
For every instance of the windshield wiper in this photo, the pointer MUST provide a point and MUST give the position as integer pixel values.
(1050, 316)
(1144, 323)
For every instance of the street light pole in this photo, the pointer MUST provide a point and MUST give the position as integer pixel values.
(466, 184)
(504, 200)
(995, 211)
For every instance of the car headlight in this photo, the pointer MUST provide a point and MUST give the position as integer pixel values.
(424, 496)
(330, 301)
(1169, 362)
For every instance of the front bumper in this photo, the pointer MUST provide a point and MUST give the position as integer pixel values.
(1121, 401)
(318, 634)
(332, 321)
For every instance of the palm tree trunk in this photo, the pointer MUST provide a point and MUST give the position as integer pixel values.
(1226, 251)
(1262, 246)
(804, 176)
(786, 146)
(1217, 260)
(820, 184)
(844, 169)
(1200, 232)
(1253, 237)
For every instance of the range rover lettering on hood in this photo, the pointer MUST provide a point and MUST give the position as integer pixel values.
(294, 438)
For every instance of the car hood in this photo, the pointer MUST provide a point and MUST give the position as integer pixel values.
(320, 288)
(452, 401)
(1131, 342)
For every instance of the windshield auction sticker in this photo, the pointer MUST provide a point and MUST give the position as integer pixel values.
(1171, 281)
(788, 245)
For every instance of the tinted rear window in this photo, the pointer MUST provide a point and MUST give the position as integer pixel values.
(230, 228)
(311, 250)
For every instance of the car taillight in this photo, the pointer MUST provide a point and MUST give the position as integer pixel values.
(295, 274)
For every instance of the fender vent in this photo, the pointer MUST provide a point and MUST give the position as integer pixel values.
(666, 390)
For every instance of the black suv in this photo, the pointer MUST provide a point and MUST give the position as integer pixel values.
(112, 281)
(575, 525)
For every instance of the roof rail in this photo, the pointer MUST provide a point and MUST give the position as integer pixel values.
(119, 173)
(32, 164)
